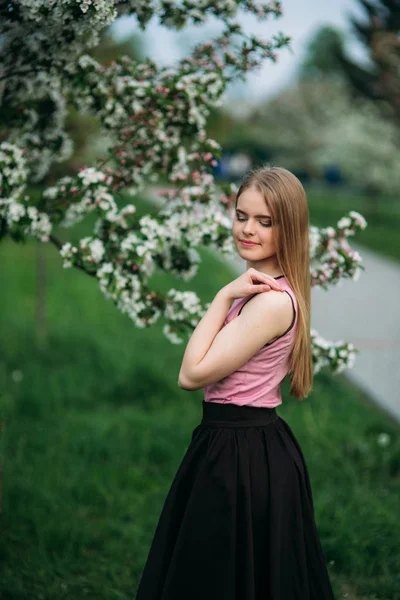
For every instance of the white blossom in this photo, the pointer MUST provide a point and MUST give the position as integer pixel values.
(155, 118)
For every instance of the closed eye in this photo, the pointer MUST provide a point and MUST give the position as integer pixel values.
(263, 224)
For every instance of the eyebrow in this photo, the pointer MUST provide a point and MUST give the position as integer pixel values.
(263, 216)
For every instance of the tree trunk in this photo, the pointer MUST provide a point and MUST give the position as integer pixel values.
(371, 203)
(41, 278)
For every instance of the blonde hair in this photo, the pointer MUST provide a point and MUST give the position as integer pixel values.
(287, 202)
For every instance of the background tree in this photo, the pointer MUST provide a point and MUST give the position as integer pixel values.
(322, 55)
(349, 132)
(380, 34)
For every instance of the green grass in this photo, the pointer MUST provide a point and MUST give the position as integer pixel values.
(327, 206)
(95, 430)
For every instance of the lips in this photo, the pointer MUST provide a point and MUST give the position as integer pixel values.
(248, 244)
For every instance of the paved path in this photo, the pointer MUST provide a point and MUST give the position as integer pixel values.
(366, 313)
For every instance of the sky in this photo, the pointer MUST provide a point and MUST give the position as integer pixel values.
(300, 20)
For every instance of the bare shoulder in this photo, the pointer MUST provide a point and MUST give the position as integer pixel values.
(265, 301)
(272, 305)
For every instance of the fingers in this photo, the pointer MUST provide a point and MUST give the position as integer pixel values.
(260, 287)
(253, 272)
(267, 280)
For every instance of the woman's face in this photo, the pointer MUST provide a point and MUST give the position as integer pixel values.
(252, 222)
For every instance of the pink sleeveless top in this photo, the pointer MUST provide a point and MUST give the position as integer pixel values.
(257, 382)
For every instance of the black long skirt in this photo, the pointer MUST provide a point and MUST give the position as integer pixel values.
(238, 521)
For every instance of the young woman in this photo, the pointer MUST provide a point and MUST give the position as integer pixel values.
(238, 522)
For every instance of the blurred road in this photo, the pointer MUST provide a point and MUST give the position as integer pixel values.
(366, 314)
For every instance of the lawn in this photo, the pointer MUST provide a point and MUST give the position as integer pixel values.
(94, 427)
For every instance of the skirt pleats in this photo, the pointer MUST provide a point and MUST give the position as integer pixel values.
(238, 521)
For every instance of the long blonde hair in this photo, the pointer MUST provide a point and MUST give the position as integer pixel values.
(287, 202)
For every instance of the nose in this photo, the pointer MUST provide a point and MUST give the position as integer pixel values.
(247, 229)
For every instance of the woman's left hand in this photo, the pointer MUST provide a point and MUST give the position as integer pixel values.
(250, 282)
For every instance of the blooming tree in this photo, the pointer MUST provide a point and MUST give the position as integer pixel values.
(155, 118)
(379, 81)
